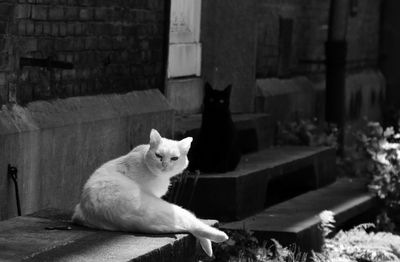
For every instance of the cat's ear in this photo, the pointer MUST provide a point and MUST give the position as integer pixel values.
(207, 87)
(184, 144)
(227, 90)
(155, 138)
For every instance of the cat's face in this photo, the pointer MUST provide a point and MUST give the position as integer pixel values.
(167, 156)
(216, 100)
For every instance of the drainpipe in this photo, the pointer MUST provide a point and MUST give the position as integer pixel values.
(335, 53)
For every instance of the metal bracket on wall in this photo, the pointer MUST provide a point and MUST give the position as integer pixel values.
(48, 63)
(12, 172)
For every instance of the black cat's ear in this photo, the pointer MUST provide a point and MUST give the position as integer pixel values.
(228, 89)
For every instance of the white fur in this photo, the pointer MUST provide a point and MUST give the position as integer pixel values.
(124, 194)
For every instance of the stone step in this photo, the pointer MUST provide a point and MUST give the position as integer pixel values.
(26, 238)
(297, 220)
(255, 130)
(262, 179)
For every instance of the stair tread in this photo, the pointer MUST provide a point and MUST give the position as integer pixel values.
(274, 157)
(26, 238)
(242, 192)
(345, 198)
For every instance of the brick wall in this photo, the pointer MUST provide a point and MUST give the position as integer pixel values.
(114, 46)
(292, 34)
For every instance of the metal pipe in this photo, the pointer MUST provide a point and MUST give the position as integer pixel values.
(336, 52)
(12, 172)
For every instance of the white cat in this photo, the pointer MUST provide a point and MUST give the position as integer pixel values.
(124, 194)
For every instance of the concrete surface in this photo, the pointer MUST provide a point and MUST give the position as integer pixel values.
(185, 95)
(26, 239)
(235, 195)
(297, 220)
(299, 97)
(57, 144)
(288, 99)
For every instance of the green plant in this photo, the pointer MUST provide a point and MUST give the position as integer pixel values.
(310, 132)
(243, 246)
(357, 244)
(382, 168)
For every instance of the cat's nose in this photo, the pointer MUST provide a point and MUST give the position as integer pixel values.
(164, 164)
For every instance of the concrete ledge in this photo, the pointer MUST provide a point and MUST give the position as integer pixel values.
(57, 144)
(297, 220)
(25, 238)
(256, 131)
(245, 191)
(288, 99)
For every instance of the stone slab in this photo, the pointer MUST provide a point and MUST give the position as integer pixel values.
(25, 238)
(289, 99)
(297, 220)
(255, 130)
(185, 95)
(244, 191)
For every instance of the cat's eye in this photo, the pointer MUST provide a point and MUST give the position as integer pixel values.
(221, 101)
(211, 99)
(159, 156)
(174, 158)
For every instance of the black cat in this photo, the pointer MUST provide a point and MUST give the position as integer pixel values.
(216, 148)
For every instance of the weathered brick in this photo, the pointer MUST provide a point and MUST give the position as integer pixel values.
(3, 78)
(22, 11)
(46, 28)
(5, 9)
(45, 44)
(39, 12)
(3, 27)
(91, 43)
(87, 2)
(79, 44)
(100, 13)
(21, 27)
(86, 14)
(38, 28)
(63, 29)
(80, 29)
(70, 29)
(56, 13)
(72, 2)
(55, 29)
(30, 27)
(71, 13)
(30, 44)
(105, 43)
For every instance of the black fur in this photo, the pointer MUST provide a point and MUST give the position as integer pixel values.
(216, 148)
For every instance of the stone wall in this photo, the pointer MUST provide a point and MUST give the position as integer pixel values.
(292, 35)
(56, 145)
(114, 46)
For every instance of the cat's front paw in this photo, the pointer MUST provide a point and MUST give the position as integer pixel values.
(210, 222)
